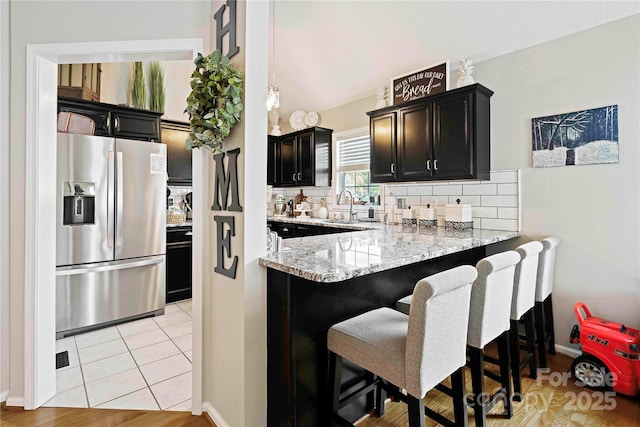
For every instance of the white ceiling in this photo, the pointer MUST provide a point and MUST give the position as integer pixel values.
(329, 53)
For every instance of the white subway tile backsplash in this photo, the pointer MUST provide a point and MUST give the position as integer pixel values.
(479, 189)
(508, 189)
(494, 202)
(508, 213)
(504, 201)
(485, 212)
(449, 190)
(498, 177)
(419, 190)
(468, 200)
(398, 190)
(431, 200)
(499, 224)
(412, 200)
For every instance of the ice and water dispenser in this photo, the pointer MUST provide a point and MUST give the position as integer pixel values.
(79, 202)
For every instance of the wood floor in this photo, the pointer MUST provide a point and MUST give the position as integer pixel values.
(547, 401)
(73, 417)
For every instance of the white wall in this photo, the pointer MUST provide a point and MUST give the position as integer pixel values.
(594, 210)
(4, 200)
(61, 22)
(234, 333)
(114, 86)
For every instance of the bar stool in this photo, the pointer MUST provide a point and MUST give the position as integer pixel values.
(544, 308)
(523, 300)
(488, 321)
(414, 352)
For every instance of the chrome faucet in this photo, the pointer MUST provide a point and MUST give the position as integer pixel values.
(351, 213)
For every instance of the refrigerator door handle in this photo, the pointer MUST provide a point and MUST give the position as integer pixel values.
(120, 266)
(110, 198)
(120, 199)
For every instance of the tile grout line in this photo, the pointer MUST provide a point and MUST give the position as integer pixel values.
(81, 365)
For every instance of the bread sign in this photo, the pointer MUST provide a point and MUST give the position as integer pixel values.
(420, 83)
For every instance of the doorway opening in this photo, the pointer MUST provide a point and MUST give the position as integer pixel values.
(40, 239)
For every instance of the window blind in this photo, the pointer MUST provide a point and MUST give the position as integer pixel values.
(353, 154)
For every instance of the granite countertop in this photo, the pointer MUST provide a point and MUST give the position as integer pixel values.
(330, 223)
(377, 247)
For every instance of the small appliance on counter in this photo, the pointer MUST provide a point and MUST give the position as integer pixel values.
(280, 206)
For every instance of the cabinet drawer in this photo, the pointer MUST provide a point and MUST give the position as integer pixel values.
(136, 126)
(178, 235)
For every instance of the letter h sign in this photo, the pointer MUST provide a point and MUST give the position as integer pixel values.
(229, 28)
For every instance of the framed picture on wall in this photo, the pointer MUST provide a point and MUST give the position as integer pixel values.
(583, 137)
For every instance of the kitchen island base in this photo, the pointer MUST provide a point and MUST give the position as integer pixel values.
(300, 312)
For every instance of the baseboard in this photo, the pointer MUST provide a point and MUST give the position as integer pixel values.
(15, 401)
(568, 351)
(3, 396)
(215, 416)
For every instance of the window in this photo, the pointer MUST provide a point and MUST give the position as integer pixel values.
(353, 169)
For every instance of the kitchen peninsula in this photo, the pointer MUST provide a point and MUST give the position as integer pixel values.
(317, 281)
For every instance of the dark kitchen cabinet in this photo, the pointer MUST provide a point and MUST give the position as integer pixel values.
(116, 120)
(383, 147)
(179, 168)
(441, 137)
(178, 274)
(301, 158)
(289, 230)
(284, 230)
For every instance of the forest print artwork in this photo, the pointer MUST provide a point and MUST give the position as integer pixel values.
(580, 138)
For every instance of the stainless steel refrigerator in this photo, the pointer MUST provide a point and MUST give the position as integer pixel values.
(111, 231)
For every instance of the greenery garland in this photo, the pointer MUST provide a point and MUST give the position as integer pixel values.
(214, 104)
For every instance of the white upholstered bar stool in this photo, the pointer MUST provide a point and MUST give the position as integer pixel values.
(488, 321)
(523, 300)
(544, 307)
(489, 317)
(414, 352)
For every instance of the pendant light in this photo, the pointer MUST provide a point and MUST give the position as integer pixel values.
(273, 95)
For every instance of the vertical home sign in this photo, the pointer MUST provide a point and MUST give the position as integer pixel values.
(228, 28)
(226, 183)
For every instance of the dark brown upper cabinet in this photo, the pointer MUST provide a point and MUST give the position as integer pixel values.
(441, 137)
(116, 120)
(179, 167)
(301, 158)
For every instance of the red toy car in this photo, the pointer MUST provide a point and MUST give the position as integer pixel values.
(610, 353)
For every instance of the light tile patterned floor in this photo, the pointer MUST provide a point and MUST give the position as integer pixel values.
(145, 364)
